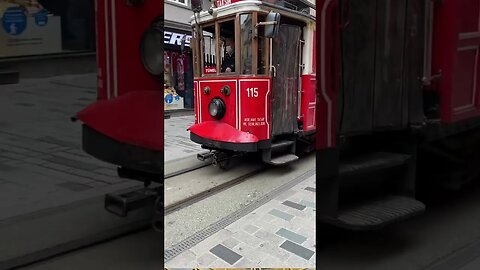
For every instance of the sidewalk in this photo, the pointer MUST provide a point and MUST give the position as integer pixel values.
(42, 164)
(177, 138)
(277, 234)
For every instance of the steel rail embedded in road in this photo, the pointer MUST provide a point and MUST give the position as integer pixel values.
(213, 189)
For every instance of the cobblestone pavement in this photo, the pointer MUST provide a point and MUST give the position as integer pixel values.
(177, 138)
(280, 233)
(42, 164)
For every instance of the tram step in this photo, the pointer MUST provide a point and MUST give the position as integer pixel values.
(372, 162)
(281, 145)
(9, 77)
(377, 213)
(283, 159)
(123, 202)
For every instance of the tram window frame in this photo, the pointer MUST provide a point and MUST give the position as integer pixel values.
(252, 47)
(235, 20)
(202, 47)
(260, 16)
(256, 39)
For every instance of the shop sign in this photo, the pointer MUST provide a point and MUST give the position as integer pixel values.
(176, 38)
(41, 18)
(14, 21)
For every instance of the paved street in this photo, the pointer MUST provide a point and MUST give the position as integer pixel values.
(42, 164)
(279, 233)
(177, 139)
(51, 192)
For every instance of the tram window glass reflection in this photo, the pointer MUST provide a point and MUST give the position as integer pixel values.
(246, 41)
(262, 56)
(209, 50)
(227, 46)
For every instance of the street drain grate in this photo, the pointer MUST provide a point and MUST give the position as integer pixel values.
(198, 237)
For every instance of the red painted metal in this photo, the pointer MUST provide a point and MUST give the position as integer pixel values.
(134, 118)
(248, 105)
(308, 106)
(222, 132)
(119, 33)
(328, 33)
(130, 107)
(456, 47)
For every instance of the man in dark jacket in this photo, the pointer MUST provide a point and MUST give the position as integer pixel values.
(228, 64)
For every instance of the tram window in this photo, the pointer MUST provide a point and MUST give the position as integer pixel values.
(262, 56)
(208, 50)
(246, 41)
(227, 46)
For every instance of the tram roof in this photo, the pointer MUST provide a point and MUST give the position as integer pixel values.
(301, 9)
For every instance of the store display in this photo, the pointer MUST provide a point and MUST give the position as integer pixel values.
(27, 29)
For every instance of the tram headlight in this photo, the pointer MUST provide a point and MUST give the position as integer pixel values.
(217, 108)
(151, 49)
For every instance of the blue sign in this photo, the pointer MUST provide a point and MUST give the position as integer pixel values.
(169, 99)
(177, 97)
(14, 21)
(41, 18)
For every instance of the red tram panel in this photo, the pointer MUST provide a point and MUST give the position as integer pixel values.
(456, 44)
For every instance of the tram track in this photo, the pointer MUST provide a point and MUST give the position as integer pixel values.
(180, 203)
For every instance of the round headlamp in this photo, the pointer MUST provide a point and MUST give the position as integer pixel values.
(151, 49)
(217, 108)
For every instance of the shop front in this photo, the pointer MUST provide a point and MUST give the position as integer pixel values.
(40, 27)
(178, 70)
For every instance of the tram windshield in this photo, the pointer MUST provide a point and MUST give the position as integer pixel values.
(233, 46)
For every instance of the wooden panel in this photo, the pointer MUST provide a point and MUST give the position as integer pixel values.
(389, 99)
(413, 67)
(358, 53)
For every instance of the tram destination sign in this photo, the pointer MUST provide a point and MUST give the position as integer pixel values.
(221, 3)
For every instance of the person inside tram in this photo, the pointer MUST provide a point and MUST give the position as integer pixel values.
(228, 64)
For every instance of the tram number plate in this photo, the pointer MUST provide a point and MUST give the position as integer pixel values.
(252, 92)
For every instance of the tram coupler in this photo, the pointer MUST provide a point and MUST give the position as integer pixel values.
(205, 156)
(121, 203)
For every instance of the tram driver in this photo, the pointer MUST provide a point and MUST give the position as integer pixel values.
(228, 63)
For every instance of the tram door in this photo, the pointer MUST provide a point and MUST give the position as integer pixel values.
(285, 59)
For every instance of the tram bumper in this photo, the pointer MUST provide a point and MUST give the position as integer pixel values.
(222, 136)
(126, 131)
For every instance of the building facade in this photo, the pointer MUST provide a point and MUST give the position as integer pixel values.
(178, 66)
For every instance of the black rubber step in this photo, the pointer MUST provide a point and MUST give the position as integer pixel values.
(121, 203)
(282, 159)
(9, 77)
(377, 213)
(281, 144)
(372, 162)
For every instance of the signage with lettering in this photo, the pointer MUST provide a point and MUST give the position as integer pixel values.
(221, 3)
(176, 38)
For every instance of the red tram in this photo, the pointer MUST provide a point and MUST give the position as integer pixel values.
(260, 97)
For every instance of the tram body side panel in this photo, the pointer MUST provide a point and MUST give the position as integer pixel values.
(308, 102)
(120, 30)
(456, 43)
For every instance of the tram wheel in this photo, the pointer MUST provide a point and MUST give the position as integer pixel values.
(224, 164)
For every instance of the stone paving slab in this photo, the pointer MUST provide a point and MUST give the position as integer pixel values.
(263, 238)
(42, 164)
(177, 138)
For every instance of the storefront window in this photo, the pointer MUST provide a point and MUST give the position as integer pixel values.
(177, 74)
(36, 27)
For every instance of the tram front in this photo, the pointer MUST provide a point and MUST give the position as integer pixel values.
(236, 48)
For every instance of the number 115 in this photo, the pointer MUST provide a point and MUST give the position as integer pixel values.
(252, 92)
